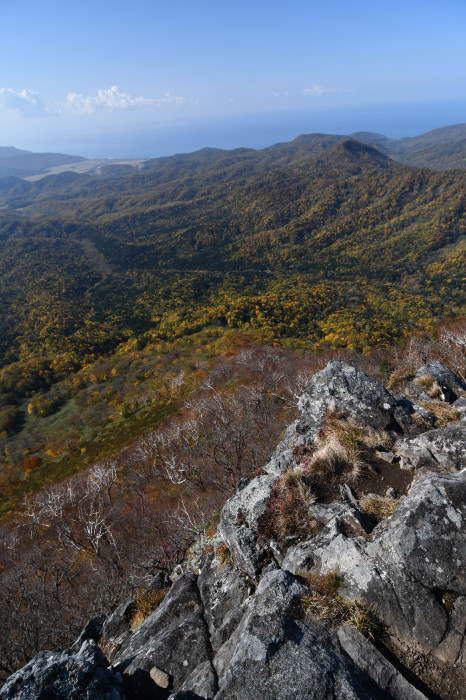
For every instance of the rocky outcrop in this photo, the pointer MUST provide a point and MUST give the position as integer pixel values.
(174, 638)
(274, 654)
(54, 676)
(240, 627)
(340, 388)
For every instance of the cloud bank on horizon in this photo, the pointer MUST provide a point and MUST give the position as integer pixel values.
(27, 103)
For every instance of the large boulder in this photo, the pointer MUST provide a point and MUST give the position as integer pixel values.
(433, 513)
(239, 520)
(174, 640)
(84, 675)
(224, 591)
(342, 389)
(403, 569)
(274, 654)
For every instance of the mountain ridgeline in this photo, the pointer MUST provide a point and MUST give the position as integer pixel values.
(323, 239)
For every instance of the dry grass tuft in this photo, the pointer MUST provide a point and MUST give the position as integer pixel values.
(323, 584)
(346, 450)
(145, 603)
(324, 603)
(379, 507)
(224, 554)
(443, 412)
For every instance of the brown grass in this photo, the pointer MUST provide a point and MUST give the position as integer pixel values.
(379, 507)
(145, 604)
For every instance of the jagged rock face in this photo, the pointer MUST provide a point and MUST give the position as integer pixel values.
(274, 655)
(116, 628)
(238, 629)
(224, 592)
(340, 388)
(413, 555)
(174, 639)
(61, 676)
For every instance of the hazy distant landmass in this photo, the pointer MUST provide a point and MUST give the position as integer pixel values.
(19, 163)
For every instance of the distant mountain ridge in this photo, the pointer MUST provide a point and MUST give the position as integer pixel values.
(19, 163)
(440, 149)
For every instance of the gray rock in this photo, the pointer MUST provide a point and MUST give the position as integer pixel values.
(439, 450)
(403, 567)
(223, 591)
(174, 638)
(460, 406)
(62, 676)
(412, 418)
(385, 456)
(369, 659)
(160, 582)
(340, 388)
(93, 630)
(239, 518)
(117, 628)
(159, 677)
(433, 513)
(272, 654)
(202, 681)
(452, 649)
(451, 386)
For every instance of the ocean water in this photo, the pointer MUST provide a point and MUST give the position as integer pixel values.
(255, 130)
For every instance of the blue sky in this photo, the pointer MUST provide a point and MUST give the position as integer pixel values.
(75, 72)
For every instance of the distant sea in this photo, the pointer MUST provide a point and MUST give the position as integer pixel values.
(259, 130)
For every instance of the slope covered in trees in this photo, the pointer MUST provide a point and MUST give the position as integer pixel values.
(322, 243)
(441, 149)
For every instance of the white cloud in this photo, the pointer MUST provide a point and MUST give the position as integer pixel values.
(25, 103)
(114, 99)
(319, 90)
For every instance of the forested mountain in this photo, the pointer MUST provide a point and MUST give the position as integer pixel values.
(441, 149)
(321, 243)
